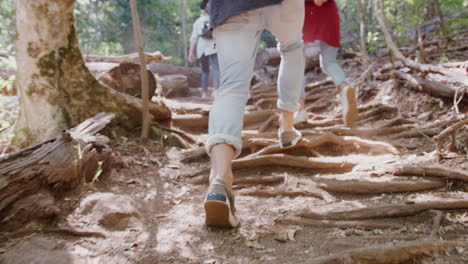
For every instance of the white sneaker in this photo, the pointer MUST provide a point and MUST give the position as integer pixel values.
(300, 116)
(349, 105)
(203, 95)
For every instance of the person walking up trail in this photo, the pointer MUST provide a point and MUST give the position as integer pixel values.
(202, 44)
(238, 26)
(322, 25)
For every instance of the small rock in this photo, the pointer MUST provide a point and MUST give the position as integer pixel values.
(110, 210)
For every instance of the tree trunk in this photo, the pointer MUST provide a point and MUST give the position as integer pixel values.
(184, 31)
(365, 55)
(57, 90)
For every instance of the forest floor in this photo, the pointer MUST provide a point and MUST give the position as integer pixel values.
(149, 208)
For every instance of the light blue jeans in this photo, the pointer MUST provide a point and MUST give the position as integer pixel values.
(329, 65)
(236, 41)
(207, 63)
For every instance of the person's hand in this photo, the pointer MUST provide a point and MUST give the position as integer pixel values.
(191, 58)
(320, 2)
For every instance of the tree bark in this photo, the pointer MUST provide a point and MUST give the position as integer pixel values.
(57, 90)
(29, 183)
(143, 72)
(184, 31)
(365, 55)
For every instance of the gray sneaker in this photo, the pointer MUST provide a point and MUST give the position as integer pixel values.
(349, 105)
(289, 138)
(219, 206)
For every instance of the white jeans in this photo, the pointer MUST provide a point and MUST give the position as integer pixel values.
(236, 42)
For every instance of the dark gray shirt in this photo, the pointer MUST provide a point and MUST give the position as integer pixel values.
(221, 10)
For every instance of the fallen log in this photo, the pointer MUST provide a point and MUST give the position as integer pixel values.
(193, 74)
(433, 88)
(126, 78)
(32, 178)
(132, 57)
(174, 85)
(391, 254)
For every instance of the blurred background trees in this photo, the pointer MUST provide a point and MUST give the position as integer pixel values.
(104, 27)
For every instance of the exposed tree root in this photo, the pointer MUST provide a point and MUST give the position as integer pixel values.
(310, 143)
(275, 192)
(320, 123)
(179, 132)
(392, 254)
(264, 127)
(438, 217)
(430, 171)
(258, 180)
(366, 132)
(363, 224)
(387, 211)
(193, 154)
(375, 187)
(280, 160)
(451, 130)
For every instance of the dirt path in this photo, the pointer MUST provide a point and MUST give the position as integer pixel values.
(149, 210)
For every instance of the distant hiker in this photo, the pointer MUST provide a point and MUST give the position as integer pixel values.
(238, 26)
(322, 26)
(202, 45)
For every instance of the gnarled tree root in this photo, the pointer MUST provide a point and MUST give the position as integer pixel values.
(430, 171)
(313, 142)
(280, 160)
(393, 254)
(451, 130)
(375, 187)
(387, 211)
(363, 224)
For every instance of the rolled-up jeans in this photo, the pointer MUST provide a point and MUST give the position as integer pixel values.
(207, 62)
(329, 64)
(236, 41)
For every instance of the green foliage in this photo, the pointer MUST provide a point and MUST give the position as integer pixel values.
(105, 27)
(7, 27)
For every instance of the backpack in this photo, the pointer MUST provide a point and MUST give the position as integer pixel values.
(207, 31)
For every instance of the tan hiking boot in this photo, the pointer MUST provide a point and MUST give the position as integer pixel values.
(349, 105)
(289, 138)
